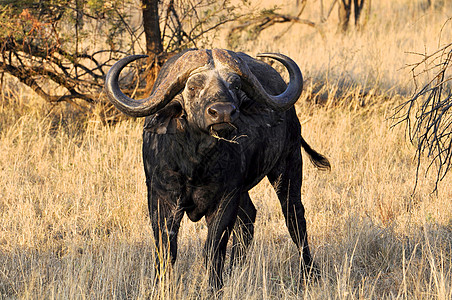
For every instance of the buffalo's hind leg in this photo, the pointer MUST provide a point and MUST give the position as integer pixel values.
(286, 178)
(243, 231)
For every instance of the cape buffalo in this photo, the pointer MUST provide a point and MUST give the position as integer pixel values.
(217, 122)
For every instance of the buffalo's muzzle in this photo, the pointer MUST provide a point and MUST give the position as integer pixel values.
(220, 112)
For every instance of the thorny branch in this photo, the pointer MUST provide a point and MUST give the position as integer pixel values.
(427, 113)
(31, 49)
(267, 18)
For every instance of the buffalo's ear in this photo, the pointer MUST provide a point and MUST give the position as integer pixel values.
(166, 121)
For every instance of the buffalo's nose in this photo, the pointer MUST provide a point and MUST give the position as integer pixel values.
(221, 112)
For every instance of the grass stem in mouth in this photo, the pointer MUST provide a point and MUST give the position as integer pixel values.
(233, 140)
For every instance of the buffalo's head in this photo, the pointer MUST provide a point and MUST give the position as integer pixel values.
(206, 87)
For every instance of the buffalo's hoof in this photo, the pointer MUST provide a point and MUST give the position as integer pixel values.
(310, 273)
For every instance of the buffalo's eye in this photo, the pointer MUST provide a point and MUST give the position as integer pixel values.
(235, 85)
(193, 90)
(234, 82)
(195, 84)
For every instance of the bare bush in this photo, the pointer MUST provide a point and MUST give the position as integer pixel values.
(427, 113)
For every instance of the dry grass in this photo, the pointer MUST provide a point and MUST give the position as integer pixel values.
(74, 220)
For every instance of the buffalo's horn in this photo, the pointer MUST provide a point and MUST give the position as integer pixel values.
(169, 86)
(254, 88)
(294, 88)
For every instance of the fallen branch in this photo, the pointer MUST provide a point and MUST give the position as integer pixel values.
(268, 19)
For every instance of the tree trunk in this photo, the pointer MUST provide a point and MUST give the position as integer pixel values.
(154, 46)
(345, 7)
(367, 6)
(359, 9)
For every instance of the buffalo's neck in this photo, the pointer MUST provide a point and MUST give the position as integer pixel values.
(185, 153)
(195, 147)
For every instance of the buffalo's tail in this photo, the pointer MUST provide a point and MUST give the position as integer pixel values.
(317, 159)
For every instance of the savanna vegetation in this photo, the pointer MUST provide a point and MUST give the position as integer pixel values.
(74, 221)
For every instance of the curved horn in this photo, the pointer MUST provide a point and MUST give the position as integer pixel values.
(170, 85)
(294, 88)
(255, 89)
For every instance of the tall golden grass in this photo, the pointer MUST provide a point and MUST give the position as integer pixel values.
(73, 215)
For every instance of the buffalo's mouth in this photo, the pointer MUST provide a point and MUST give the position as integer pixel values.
(222, 130)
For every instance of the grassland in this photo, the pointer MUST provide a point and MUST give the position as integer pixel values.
(73, 215)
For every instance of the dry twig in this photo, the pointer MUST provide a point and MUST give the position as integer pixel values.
(427, 113)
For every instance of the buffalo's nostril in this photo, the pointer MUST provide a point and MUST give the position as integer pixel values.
(212, 111)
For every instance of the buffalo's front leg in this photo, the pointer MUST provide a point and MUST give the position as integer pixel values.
(244, 229)
(165, 219)
(220, 224)
(286, 178)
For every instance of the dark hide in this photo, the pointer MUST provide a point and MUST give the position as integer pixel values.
(190, 171)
